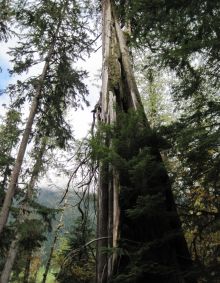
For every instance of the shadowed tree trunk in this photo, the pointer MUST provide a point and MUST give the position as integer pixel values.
(56, 235)
(27, 267)
(153, 244)
(13, 250)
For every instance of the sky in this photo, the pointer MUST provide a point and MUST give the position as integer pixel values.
(83, 118)
(4, 80)
(4, 75)
(80, 120)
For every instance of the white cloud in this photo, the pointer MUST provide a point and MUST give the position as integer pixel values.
(80, 120)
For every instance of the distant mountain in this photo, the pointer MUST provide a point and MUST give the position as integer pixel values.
(51, 199)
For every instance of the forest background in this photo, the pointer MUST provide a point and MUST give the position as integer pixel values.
(175, 56)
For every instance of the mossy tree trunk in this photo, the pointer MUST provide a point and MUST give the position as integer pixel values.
(136, 210)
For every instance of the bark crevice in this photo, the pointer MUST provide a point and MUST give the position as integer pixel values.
(156, 240)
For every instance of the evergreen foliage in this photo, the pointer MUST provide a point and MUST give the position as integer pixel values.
(145, 201)
(6, 12)
(176, 37)
(78, 265)
(9, 135)
(182, 37)
(56, 28)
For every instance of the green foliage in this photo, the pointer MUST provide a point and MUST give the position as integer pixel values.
(56, 34)
(144, 199)
(153, 87)
(182, 37)
(47, 214)
(5, 242)
(53, 32)
(50, 276)
(6, 12)
(9, 135)
(126, 139)
(78, 265)
(32, 234)
(145, 205)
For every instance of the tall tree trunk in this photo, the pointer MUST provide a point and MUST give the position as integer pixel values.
(102, 268)
(165, 258)
(20, 156)
(13, 250)
(56, 235)
(5, 275)
(49, 258)
(26, 135)
(27, 267)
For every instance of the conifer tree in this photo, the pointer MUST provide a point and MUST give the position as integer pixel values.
(78, 265)
(137, 217)
(55, 37)
(183, 37)
(5, 14)
(9, 136)
(9, 130)
(23, 215)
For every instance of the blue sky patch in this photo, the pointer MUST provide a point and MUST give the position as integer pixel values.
(4, 81)
(4, 75)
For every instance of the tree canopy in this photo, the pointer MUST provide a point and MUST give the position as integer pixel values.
(146, 178)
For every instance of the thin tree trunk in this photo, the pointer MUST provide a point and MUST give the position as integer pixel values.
(26, 135)
(27, 267)
(49, 259)
(10, 261)
(35, 276)
(13, 250)
(56, 235)
(19, 160)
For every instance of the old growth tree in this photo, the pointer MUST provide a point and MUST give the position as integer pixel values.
(182, 37)
(139, 231)
(139, 236)
(56, 37)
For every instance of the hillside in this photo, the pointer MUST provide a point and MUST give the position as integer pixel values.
(51, 199)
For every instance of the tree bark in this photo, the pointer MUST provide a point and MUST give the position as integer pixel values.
(120, 95)
(56, 235)
(5, 276)
(49, 259)
(27, 267)
(13, 250)
(103, 187)
(23, 145)
(102, 227)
